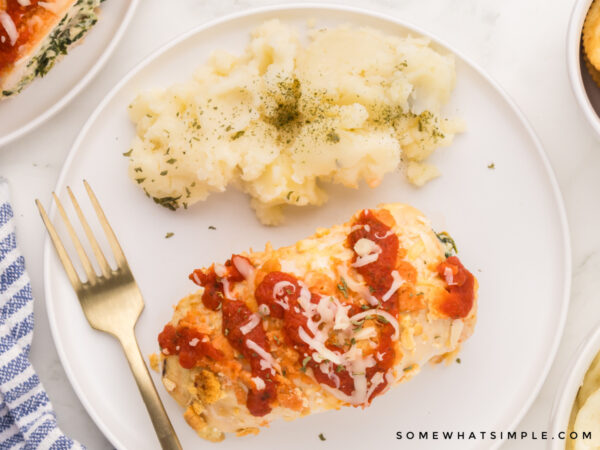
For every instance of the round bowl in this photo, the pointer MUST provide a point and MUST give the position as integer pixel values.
(572, 380)
(586, 91)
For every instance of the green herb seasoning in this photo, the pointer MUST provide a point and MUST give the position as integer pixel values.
(448, 242)
(286, 99)
(332, 137)
(237, 135)
(343, 287)
(382, 319)
(304, 363)
(168, 202)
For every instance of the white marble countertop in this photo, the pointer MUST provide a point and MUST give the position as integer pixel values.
(520, 43)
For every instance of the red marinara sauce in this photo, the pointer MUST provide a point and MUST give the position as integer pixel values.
(378, 276)
(235, 315)
(212, 297)
(461, 288)
(21, 16)
(189, 344)
(280, 292)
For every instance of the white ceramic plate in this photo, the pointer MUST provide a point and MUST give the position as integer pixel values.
(509, 224)
(45, 96)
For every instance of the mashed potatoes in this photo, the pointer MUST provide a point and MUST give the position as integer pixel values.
(284, 118)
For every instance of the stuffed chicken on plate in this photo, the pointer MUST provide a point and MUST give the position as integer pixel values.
(34, 34)
(334, 320)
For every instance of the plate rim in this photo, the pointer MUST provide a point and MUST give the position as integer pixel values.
(80, 85)
(549, 171)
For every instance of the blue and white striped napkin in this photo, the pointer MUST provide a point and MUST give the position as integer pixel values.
(27, 420)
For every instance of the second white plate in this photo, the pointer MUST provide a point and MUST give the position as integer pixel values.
(45, 96)
(509, 224)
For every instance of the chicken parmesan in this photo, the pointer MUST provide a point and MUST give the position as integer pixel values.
(34, 33)
(334, 320)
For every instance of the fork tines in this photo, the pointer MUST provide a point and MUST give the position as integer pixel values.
(105, 268)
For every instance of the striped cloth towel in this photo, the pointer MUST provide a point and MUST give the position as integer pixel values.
(27, 420)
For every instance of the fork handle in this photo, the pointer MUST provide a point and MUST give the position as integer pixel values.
(162, 425)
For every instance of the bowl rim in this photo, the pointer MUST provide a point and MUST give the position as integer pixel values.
(573, 50)
(570, 383)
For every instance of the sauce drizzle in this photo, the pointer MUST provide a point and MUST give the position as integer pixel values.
(378, 258)
(254, 345)
(461, 288)
(378, 276)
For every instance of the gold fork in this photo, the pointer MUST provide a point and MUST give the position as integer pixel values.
(112, 303)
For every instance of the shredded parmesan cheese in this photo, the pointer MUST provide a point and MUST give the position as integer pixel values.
(243, 266)
(266, 356)
(9, 26)
(220, 270)
(250, 325)
(259, 383)
(283, 304)
(353, 285)
(376, 380)
(398, 281)
(367, 227)
(280, 288)
(387, 234)
(365, 333)
(364, 247)
(367, 251)
(381, 313)
(196, 278)
(264, 309)
(226, 290)
(55, 7)
(449, 276)
(319, 347)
